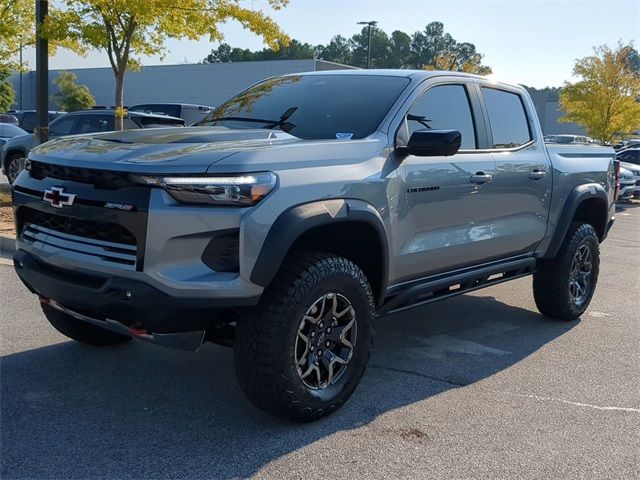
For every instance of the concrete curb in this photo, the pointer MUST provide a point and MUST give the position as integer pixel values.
(5, 187)
(7, 244)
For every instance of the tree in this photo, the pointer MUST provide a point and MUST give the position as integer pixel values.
(130, 29)
(7, 93)
(605, 99)
(17, 27)
(294, 50)
(71, 96)
(338, 50)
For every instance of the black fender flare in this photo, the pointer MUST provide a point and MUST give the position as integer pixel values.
(297, 220)
(578, 195)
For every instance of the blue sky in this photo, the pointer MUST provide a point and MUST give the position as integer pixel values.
(526, 41)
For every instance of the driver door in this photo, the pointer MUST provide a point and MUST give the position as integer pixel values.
(444, 212)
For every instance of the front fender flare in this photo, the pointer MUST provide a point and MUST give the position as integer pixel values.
(295, 221)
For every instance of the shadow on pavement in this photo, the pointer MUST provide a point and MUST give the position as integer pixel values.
(70, 411)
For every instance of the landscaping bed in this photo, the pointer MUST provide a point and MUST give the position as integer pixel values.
(7, 226)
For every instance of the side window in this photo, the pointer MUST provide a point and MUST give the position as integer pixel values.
(129, 124)
(63, 126)
(28, 121)
(507, 118)
(96, 123)
(444, 107)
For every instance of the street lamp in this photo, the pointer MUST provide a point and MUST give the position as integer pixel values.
(369, 24)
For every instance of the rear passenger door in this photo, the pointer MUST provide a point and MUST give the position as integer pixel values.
(521, 186)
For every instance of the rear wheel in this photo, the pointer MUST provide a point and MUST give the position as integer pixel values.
(563, 287)
(81, 331)
(301, 354)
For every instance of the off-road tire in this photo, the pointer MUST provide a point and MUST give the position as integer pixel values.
(81, 331)
(264, 349)
(551, 282)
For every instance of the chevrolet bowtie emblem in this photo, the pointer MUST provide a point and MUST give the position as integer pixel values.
(57, 197)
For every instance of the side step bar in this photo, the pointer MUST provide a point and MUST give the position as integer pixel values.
(190, 341)
(439, 288)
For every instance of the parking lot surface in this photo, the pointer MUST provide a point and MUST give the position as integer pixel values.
(479, 386)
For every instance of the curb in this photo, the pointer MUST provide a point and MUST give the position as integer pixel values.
(5, 187)
(7, 244)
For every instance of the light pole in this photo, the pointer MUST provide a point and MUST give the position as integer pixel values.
(369, 24)
(21, 66)
(42, 73)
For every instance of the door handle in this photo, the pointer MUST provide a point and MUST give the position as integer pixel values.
(480, 177)
(537, 174)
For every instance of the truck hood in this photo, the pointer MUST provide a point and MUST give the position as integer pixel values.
(157, 150)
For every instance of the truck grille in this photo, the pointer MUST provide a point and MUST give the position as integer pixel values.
(100, 178)
(86, 240)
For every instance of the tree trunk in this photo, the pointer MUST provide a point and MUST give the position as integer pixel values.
(119, 120)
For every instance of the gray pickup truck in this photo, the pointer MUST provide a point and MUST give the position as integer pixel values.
(298, 211)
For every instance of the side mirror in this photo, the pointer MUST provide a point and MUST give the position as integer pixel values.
(433, 143)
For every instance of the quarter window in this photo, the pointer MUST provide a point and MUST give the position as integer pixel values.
(444, 107)
(507, 117)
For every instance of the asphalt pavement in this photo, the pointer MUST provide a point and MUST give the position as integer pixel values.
(479, 386)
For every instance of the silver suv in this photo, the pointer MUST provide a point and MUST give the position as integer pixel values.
(301, 209)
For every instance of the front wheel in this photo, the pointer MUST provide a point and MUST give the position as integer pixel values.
(13, 168)
(563, 286)
(301, 354)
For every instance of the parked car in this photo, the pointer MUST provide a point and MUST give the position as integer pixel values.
(569, 139)
(15, 151)
(8, 118)
(189, 112)
(299, 210)
(8, 131)
(630, 159)
(27, 119)
(627, 185)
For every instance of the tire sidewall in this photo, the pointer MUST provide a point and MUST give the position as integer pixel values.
(361, 300)
(585, 235)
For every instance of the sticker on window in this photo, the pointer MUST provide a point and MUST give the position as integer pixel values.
(344, 136)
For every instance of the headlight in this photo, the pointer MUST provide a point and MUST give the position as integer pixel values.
(235, 190)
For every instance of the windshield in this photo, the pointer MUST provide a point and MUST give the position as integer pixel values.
(312, 106)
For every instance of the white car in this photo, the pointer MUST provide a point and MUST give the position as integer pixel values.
(627, 185)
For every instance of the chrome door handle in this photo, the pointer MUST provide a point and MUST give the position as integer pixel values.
(480, 177)
(537, 174)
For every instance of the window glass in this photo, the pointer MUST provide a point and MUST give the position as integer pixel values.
(445, 107)
(28, 121)
(507, 118)
(95, 123)
(313, 106)
(64, 126)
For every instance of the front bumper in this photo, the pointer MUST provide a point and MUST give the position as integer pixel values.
(626, 192)
(131, 302)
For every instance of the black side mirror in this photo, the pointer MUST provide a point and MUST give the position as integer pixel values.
(433, 143)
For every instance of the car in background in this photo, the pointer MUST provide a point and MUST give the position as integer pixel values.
(565, 139)
(15, 151)
(8, 118)
(630, 159)
(627, 185)
(28, 119)
(187, 111)
(8, 131)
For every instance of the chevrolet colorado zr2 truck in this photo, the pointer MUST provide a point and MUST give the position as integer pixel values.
(298, 211)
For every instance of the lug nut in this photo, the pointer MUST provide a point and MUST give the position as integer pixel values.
(319, 352)
(328, 329)
(321, 325)
(128, 294)
(328, 344)
(312, 348)
(313, 334)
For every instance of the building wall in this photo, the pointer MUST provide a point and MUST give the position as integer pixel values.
(206, 84)
(549, 112)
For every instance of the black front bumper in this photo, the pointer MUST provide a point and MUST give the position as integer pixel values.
(133, 303)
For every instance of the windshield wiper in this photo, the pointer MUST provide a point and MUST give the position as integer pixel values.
(281, 123)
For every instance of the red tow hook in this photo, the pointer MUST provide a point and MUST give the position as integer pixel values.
(138, 332)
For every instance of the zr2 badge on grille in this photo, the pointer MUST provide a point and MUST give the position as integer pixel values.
(58, 198)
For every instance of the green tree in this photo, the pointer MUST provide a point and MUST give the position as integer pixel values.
(338, 50)
(130, 29)
(17, 27)
(7, 93)
(71, 96)
(380, 57)
(605, 99)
